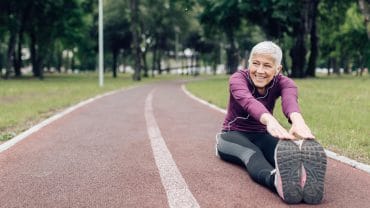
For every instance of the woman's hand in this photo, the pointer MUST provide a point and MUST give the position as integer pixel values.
(274, 128)
(301, 131)
(299, 128)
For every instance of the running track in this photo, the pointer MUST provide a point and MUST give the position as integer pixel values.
(150, 146)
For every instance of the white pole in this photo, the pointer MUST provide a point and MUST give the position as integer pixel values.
(101, 51)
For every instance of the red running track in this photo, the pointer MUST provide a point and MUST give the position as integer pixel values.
(100, 155)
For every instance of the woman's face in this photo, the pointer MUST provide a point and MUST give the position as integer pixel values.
(262, 69)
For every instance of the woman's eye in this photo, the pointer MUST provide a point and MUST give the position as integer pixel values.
(268, 66)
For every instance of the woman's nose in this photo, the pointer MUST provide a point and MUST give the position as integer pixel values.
(260, 69)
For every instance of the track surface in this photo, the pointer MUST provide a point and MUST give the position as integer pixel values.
(101, 155)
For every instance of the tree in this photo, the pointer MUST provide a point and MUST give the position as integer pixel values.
(88, 46)
(224, 16)
(332, 14)
(353, 32)
(162, 32)
(299, 51)
(135, 27)
(314, 50)
(117, 34)
(15, 16)
(365, 9)
(206, 46)
(40, 24)
(278, 19)
(51, 20)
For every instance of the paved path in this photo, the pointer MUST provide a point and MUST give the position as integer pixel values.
(150, 146)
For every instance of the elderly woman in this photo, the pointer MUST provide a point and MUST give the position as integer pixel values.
(292, 163)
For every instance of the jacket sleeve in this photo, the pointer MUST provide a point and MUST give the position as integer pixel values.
(289, 96)
(239, 90)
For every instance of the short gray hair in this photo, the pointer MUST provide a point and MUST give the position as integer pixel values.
(267, 47)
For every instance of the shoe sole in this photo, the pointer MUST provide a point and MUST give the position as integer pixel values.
(288, 160)
(314, 162)
(218, 137)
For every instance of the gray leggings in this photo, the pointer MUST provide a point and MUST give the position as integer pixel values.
(255, 151)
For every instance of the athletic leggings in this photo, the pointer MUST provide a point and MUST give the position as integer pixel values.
(255, 151)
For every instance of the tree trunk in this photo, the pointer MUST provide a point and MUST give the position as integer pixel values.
(18, 55)
(346, 66)
(36, 57)
(145, 64)
(335, 66)
(314, 51)
(232, 57)
(59, 60)
(365, 9)
(114, 63)
(298, 52)
(158, 62)
(1, 62)
(154, 60)
(285, 69)
(168, 64)
(10, 53)
(18, 61)
(136, 44)
(33, 54)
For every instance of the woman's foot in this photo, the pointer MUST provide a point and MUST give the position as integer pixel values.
(288, 166)
(314, 164)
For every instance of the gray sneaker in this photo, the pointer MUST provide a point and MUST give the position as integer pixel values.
(314, 162)
(288, 166)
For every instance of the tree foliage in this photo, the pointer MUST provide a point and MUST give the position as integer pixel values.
(342, 27)
(148, 34)
(224, 16)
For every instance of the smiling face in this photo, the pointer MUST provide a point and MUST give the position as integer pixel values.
(262, 69)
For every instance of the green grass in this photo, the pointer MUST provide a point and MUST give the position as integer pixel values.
(26, 101)
(336, 109)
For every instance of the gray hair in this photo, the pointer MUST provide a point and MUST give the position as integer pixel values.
(267, 47)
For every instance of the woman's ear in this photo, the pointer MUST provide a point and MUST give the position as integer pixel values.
(278, 69)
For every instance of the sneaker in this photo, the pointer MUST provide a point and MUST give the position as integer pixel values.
(288, 166)
(218, 137)
(314, 163)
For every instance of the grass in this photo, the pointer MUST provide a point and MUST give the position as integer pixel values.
(26, 101)
(337, 109)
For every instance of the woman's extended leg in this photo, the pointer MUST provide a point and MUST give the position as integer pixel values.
(267, 144)
(236, 147)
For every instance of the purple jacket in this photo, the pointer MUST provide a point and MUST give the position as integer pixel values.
(246, 105)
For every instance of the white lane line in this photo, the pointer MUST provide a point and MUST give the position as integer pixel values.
(333, 155)
(178, 193)
(6, 145)
(202, 101)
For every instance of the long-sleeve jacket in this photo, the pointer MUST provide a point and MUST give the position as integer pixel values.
(246, 105)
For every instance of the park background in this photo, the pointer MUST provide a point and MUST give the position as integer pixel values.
(49, 56)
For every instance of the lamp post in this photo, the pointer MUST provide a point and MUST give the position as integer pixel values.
(101, 51)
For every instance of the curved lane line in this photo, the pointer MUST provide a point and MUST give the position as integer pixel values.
(6, 145)
(333, 155)
(178, 193)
